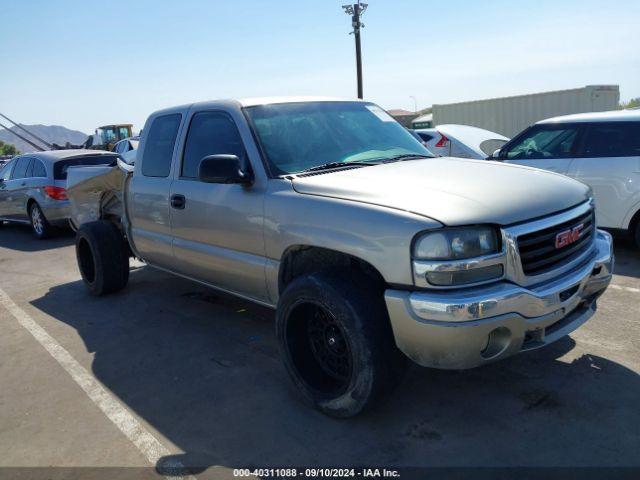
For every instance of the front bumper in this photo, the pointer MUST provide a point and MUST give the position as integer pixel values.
(465, 328)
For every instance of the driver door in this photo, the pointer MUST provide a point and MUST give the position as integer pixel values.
(546, 146)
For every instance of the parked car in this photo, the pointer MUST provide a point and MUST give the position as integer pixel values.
(33, 187)
(599, 149)
(127, 149)
(333, 214)
(461, 141)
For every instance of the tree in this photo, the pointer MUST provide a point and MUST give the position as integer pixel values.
(633, 103)
(8, 149)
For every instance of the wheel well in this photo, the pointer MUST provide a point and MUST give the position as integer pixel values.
(301, 260)
(30, 202)
(634, 222)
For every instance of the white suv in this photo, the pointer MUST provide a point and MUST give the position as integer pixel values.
(599, 149)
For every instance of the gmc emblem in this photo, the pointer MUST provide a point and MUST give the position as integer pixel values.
(569, 236)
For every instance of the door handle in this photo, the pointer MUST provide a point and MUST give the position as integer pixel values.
(178, 201)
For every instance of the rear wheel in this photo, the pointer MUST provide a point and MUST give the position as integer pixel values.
(103, 257)
(41, 227)
(337, 343)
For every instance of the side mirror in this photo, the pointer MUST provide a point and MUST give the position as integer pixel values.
(495, 155)
(223, 169)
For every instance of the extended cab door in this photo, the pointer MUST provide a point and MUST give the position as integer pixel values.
(608, 160)
(149, 191)
(547, 146)
(217, 228)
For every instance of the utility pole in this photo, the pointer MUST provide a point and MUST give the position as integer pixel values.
(356, 11)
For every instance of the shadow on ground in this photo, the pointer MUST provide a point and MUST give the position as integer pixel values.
(15, 236)
(627, 256)
(204, 370)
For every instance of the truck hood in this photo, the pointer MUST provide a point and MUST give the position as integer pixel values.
(453, 191)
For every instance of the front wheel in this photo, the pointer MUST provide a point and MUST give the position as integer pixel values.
(103, 257)
(337, 343)
(41, 227)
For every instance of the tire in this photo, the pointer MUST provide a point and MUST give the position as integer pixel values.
(103, 257)
(636, 235)
(336, 342)
(39, 224)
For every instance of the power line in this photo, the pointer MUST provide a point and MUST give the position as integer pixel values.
(356, 11)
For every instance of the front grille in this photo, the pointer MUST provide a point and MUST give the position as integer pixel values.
(538, 252)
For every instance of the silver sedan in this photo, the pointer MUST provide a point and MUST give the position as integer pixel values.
(33, 187)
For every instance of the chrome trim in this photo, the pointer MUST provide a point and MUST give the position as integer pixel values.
(502, 298)
(514, 271)
(509, 257)
(422, 267)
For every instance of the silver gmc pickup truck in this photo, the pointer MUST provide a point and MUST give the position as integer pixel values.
(369, 249)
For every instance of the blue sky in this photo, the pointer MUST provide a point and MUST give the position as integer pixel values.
(84, 64)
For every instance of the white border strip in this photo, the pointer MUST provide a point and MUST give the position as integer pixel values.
(146, 443)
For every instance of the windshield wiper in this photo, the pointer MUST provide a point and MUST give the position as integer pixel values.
(331, 165)
(406, 156)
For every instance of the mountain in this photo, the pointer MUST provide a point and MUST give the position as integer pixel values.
(50, 133)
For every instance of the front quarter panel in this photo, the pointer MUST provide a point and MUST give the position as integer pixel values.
(378, 235)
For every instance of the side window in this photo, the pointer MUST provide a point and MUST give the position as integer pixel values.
(38, 169)
(123, 132)
(612, 139)
(20, 171)
(545, 142)
(5, 173)
(156, 160)
(29, 173)
(210, 133)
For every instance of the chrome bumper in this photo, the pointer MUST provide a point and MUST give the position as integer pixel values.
(469, 327)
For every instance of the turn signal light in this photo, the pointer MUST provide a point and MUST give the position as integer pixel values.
(57, 193)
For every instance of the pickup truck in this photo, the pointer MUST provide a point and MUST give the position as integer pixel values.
(368, 248)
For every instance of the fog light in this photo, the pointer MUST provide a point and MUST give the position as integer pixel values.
(497, 342)
(464, 277)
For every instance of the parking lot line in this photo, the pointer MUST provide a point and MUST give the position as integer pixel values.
(626, 289)
(144, 441)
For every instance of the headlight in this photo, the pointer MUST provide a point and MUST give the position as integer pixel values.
(456, 243)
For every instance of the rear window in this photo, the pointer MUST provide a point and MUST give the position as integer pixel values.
(60, 168)
(612, 139)
(425, 136)
(156, 160)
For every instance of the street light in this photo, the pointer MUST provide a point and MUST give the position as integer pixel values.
(356, 11)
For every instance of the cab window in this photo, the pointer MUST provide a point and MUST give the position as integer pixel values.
(543, 141)
(156, 158)
(210, 133)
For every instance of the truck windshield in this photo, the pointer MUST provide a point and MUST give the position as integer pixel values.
(300, 136)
